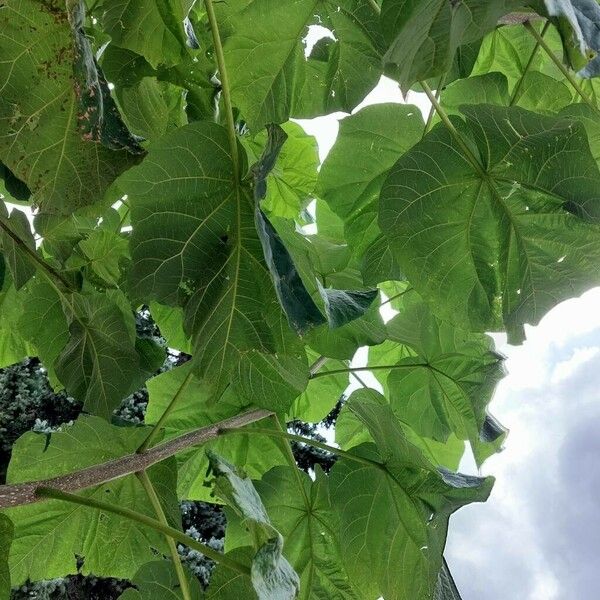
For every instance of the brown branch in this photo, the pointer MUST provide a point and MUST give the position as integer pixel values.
(518, 18)
(25, 493)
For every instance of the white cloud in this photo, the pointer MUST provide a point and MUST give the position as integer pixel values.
(535, 538)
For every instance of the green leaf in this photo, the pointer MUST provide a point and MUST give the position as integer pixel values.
(99, 365)
(204, 254)
(272, 575)
(104, 253)
(170, 322)
(301, 510)
(271, 381)
(40, 140)
(368, 144)
(402, 511)
(152, 28)
(227, 584)
(498, 245)
(6, 537)
(151, 107)
(424, 35)
(195, 408)
(282, 82)
(446, 385)
(157, 580)
(20, 265)
(293, 177)
(322, 393)
(43, 323)
(119, 546)
(446, 588)
(13, 348)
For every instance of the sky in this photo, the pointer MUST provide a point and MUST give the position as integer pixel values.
(538, 536)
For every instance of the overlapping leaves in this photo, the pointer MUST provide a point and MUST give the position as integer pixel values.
(497, 229)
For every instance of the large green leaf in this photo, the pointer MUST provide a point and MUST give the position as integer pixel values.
(50, 536)
(424, 35)
(281, 82)
(258, 453)
(6, 537)
(43, 323)
(301, 510)
(99, 365)
(16, 226)
(13, 347)
(157, 580)
(194, 243)
(40, 140)
(392, 534)
(448, 379)
(293, 177)
(272, 575)
(152, 28)
(368, 144)
(497, 245)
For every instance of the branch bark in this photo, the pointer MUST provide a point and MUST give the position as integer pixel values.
(25, 493)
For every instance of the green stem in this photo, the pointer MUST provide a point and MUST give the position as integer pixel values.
(562, 68)
(37, 260)
(395, 297)
(368, 368)
(458, 138)
(160, 513)
(438, 93)
(157, 428)
(132, 515)
(214, 27)
(302, 440)
(519, 85)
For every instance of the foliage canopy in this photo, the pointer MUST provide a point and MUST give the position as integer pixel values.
(153, 141)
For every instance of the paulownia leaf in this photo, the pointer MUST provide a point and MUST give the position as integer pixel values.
(103, 253)
(446, 385)
(498, 245)
(50, 536)
(446, 588)
(157, 580)
(293, 177)
(13, 347)
(40, 141)
(368, 144)
(99, 365)
(194, 243)
(301, 510)
(43, 323)
(227, 584)
(339, 306)
(272, 575)
(6, 537)
(152, 28)
(281, 82)
(17, 224)
(392, 534)
(424, 35)
(258, 453)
